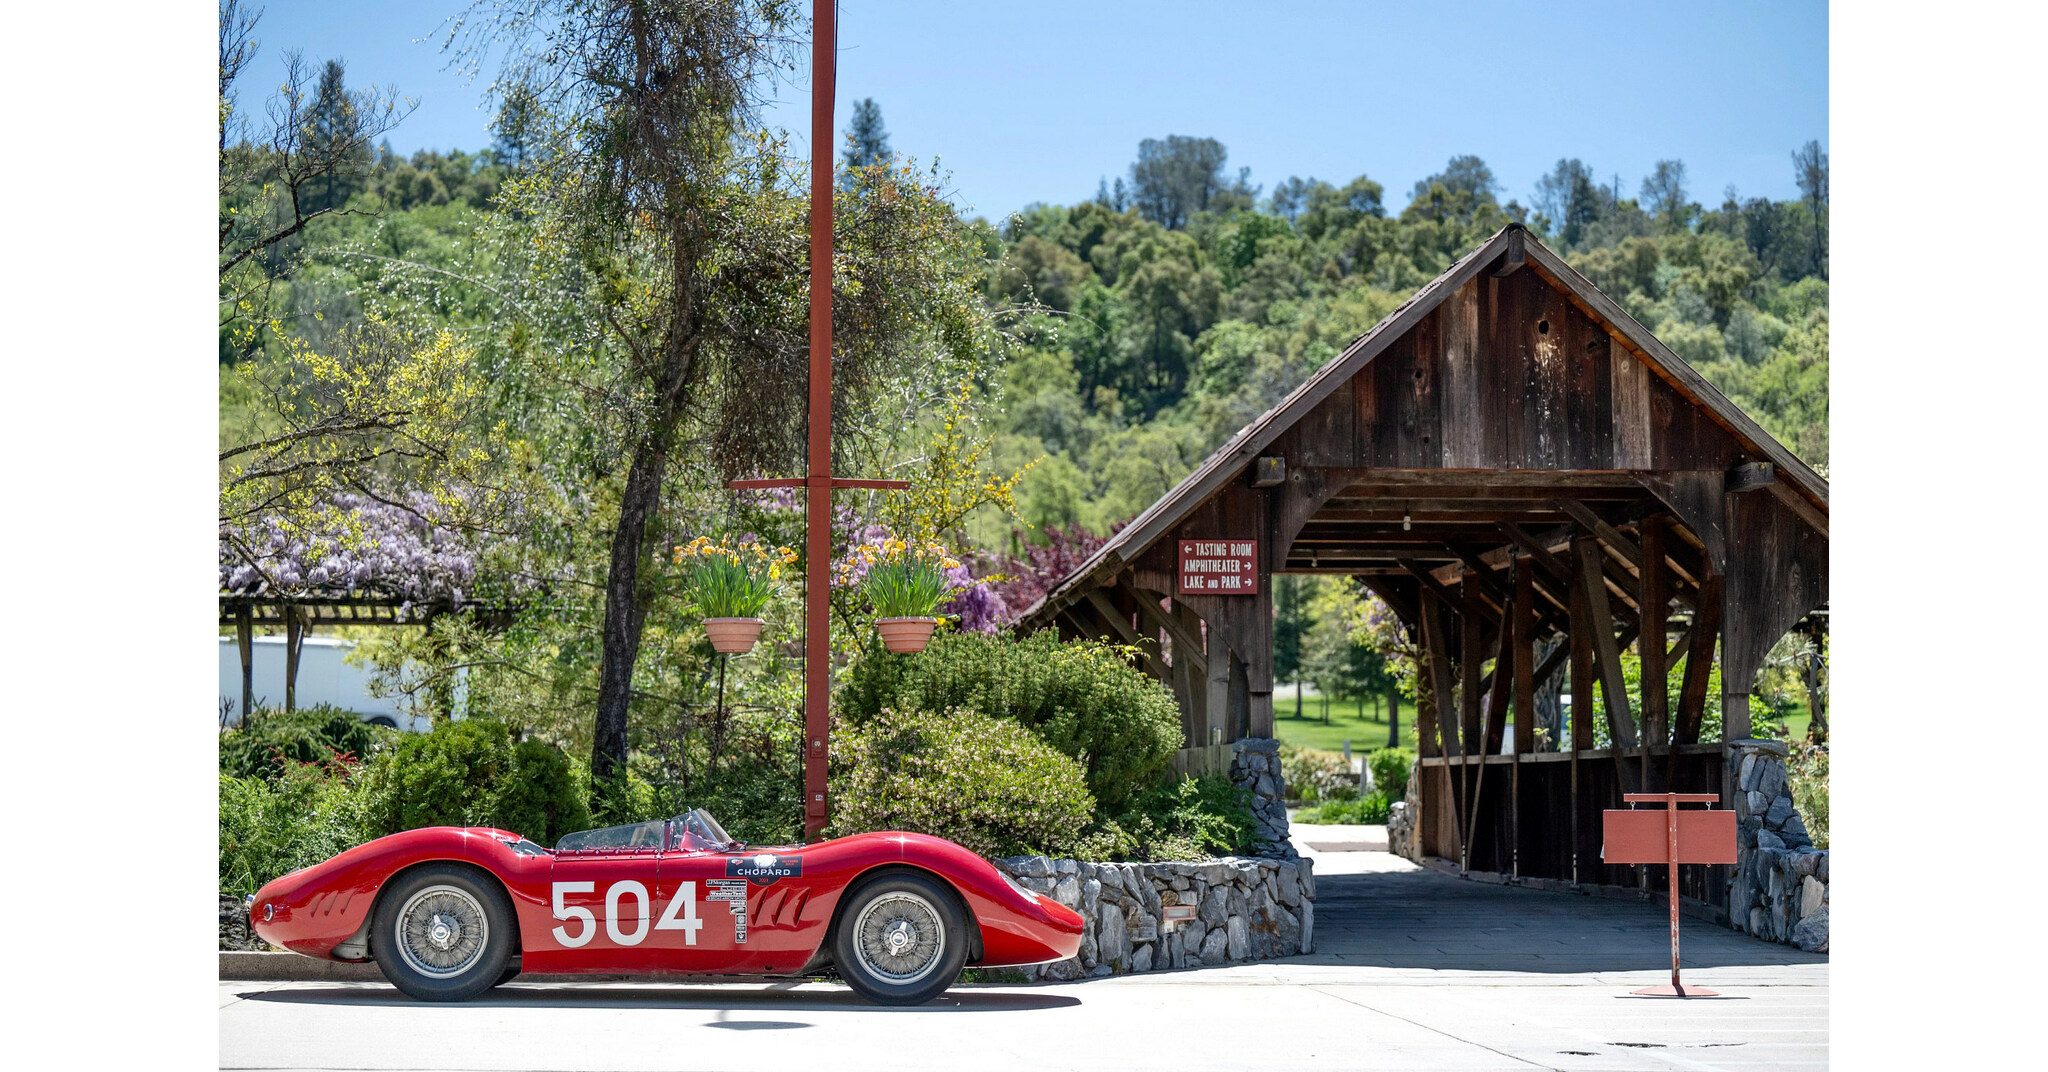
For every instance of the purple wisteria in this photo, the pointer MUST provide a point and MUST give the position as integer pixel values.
(394, 552)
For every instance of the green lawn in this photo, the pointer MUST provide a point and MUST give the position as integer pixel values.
(1365, 725)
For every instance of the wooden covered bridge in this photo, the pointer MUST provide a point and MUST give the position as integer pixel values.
(1533, 483)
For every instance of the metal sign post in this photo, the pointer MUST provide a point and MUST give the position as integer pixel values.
(1671, 838)
(819, 482)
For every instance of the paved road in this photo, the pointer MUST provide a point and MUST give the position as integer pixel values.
(1413, 970)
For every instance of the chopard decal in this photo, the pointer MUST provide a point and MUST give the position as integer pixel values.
(764, 868)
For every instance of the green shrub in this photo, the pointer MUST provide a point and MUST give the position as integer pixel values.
(270, 740)
(444, 778)
(469, 773)
(271, 826)
(1806, 772)
(1183, 819)
(540, 797)
(1371, 808)
(1081, 697)
(1315, 774)
(1390, 767)
(984, 782)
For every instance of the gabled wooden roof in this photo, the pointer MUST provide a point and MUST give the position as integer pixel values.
(1512, 245)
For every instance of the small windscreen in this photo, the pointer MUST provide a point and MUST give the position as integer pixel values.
(630, 836)
(701, 825)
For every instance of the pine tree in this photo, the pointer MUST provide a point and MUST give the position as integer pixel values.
(867, 142)
(334, 129)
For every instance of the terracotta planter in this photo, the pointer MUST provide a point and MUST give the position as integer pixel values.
(905, 635)
(733, 636)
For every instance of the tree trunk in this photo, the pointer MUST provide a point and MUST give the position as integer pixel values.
(625, 612)
(1393, 715)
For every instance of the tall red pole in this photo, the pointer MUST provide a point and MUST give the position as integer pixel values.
(818, 476)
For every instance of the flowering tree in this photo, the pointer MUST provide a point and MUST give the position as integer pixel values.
(377, 547)
(1026, 580)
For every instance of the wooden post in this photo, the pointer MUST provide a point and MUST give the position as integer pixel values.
(1216, 706)
(294, 637)
(1471, 660)
(245, 628)
(1437, 659)
(1581, 641)
(1650, 642)
(1525, 693)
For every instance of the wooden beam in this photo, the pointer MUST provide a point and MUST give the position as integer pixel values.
(1148, 647)
(1537, 552)
(1751, 476)
(1436, 652)
(1471, 659)
(1184, 641)
(1524, 649)
(1699, 662)
(1620, 722)
(1651, 644)
(1448, 594)
(244, 639)
(1516, 255)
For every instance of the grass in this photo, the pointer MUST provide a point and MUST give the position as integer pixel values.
(1364, 723)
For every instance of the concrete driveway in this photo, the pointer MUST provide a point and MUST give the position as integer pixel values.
(1413, 970)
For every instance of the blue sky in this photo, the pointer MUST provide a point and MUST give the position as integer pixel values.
(1037, 102)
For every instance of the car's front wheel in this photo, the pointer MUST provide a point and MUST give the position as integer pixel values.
(902, 940)
(443, 932)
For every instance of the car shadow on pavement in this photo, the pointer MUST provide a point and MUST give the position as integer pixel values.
(585, 996)
(1422, 919)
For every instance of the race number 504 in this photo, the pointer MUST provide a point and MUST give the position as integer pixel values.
(680, 915)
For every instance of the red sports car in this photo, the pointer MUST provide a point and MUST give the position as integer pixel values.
(448, 913)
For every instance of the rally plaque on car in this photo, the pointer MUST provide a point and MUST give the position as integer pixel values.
(764, 868)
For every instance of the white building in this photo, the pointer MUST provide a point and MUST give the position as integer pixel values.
(325, 677)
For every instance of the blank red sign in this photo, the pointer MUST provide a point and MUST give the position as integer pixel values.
(1642, 836)
(1218, 568)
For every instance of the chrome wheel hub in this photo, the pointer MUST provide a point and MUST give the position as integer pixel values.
(899, 937)
(442, 931)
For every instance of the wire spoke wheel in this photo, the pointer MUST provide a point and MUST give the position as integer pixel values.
(442, 931)
(899, 937)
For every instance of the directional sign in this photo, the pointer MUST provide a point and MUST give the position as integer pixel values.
(1670, 837)
(1218, 568)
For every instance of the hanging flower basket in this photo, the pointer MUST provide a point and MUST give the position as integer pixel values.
(906, 635)
(733, 636)
(729, 584)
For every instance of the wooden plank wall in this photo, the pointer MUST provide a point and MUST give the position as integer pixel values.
(1542, 845)
(1508, 374)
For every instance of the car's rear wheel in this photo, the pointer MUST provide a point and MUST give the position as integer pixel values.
(902, 940)
(443, 932)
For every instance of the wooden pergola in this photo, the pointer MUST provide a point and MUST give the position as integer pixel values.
(300, 611)
(1533, 483)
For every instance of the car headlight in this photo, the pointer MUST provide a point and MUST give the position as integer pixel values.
(1029, 893)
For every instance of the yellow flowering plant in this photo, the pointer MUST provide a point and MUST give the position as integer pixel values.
(731, 579)
(901, 579)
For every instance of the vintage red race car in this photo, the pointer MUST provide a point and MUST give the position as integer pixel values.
(450, 912)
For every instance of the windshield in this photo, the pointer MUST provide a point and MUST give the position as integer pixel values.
(692, 830)
(699, 826)
(630, 836)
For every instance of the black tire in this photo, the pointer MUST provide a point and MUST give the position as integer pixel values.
(510, 973)
(436, 904)
(902, 939)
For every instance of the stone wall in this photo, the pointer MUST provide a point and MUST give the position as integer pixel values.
(234, 926)
(1255, 767)
(1780, 887)
(1245, 909)
(1401, 835)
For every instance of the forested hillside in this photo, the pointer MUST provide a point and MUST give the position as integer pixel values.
(1168, 311)
(1146, 324)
